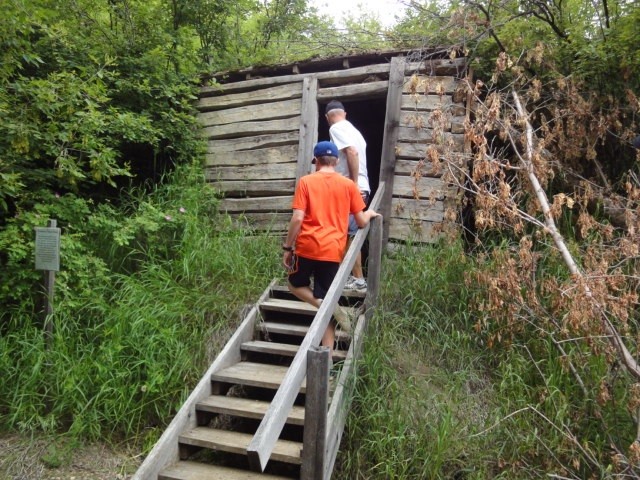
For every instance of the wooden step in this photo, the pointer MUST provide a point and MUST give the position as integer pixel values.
(289, 306)
(254, 375)
(295, 330)
(246, 408)
(283, 349)
(283, 289)
(235, 442)
(188, 470)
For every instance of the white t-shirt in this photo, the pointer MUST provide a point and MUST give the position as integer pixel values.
(344, 135)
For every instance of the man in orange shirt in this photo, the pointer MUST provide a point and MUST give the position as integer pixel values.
(318, 230)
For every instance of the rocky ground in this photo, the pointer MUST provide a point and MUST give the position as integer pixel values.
(24, 458)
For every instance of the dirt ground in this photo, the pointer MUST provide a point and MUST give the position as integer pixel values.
(23, 458)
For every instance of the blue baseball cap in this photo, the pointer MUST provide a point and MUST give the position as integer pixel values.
(325, 148)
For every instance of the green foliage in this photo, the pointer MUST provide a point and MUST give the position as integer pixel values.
(130, 338)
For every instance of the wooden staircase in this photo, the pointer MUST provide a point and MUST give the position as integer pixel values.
(215, 446)
(253, 414)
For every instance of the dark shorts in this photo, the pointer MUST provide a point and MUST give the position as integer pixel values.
(353, 226)
(323, 274)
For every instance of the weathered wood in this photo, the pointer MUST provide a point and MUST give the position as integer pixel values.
(282, 154)
(424, 84)
(411, 167)
(354, 75)
(261, 204)
(342, 395)
(425, 120)
(188, 470)
(236, 442)
(289, 306)
(165, 450)
(253, 375)
(409, 208)
(374, 265)
(255, 188)
(392, 119)
(315, 420)
(415, 231)
(308, 127)
(249, 143)
(358, 91)
(423, 187)
(252, 172)
(418, 151)
(425, 102)
(245, 408)
(244, 129)
(253, 97)
(295, 330)
(275, 222)
(265, 111)
(282, 349)
(455, 67)
(425, 136)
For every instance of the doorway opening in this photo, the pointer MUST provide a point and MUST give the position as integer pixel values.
(367, 116)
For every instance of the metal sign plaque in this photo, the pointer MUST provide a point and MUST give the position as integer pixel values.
(48, 248)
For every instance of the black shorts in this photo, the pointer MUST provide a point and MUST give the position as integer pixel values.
(323, 274)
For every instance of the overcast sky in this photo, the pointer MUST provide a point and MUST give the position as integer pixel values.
(386, 9)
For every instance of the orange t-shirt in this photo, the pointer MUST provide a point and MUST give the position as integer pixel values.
(327, 199)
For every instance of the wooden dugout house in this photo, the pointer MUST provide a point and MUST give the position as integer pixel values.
(261, 126)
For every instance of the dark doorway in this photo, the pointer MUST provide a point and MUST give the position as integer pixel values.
(367, 116)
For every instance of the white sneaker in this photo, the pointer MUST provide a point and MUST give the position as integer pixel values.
(357, 284)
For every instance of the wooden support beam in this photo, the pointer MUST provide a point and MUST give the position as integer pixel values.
(308, 126)
(315, 413)
(392, 120)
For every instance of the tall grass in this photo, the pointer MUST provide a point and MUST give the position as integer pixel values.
(124, 358)
(433, 401)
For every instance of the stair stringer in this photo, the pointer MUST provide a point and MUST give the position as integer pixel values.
(165, 452)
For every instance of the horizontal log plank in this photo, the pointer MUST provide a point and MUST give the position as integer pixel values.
(421, 188)
(409, 208)
(254, 375)
(411, 167)
(255, 188)
(276, 171)
(244, 129)
(358, 91)
(456, 67)
(260, 204)
(274, 222)
(265, 111)
(425, 102)
(418, 151)
(252, 97)
(425, 84)
(273, 155)
(250, 143)
(283, 349)
(415, 231)
(425, 136)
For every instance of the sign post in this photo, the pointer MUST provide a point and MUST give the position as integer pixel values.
(48, 260)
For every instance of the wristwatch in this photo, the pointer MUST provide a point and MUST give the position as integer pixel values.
(288, 249)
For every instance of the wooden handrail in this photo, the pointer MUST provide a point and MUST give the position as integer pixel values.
(264, 440)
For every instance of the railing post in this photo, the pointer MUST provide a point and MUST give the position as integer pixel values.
(315, 413)
(373, 265)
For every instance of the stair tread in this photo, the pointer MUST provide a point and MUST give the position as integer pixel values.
(236, 442)
(293, 306)
(248, 408)
(284, 349)
(292, 329)
(188, 470)
(254, 374)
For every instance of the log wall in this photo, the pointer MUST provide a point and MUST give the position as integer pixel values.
(260, 133)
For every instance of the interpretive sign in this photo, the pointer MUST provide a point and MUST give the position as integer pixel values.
(48, 248)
